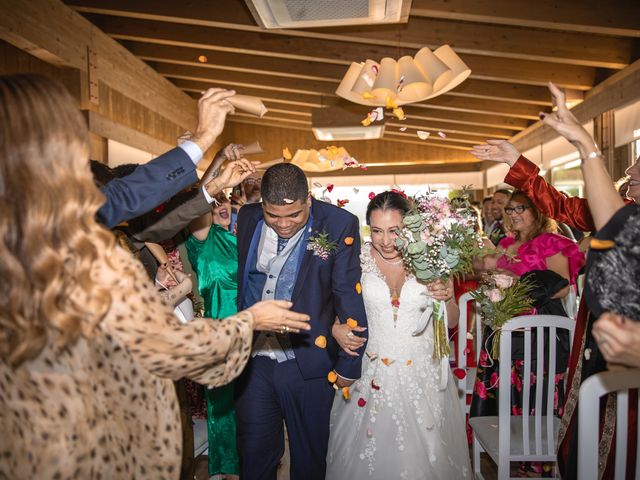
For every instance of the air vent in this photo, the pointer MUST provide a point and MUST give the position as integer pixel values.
(327, 13)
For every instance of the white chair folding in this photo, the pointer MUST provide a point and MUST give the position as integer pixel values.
(526, 438)
(465, 385)
(591, 391)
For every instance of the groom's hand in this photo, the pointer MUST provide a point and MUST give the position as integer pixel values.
(343, 382)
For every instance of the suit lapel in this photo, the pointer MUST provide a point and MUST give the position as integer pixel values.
(314, 226)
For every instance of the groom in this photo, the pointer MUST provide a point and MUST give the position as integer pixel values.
(292, 247)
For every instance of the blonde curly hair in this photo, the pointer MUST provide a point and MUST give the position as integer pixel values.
(49, 238)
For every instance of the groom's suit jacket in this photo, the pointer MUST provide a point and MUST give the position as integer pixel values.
(323, 288)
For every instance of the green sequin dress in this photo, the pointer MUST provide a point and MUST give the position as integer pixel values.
(215, 260)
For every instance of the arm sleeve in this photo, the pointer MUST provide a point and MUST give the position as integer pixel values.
(573, 211)
(148, 186)
(210, 352)
(348, 296)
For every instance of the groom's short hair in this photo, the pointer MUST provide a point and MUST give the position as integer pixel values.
(284, 181)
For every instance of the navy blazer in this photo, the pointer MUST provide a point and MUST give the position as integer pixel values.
(147, 187)
(323, 289)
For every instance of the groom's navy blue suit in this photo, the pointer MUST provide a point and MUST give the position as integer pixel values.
(297, 389)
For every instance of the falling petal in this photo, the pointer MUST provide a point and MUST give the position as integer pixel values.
(346, 393)
(379, 113)
(288, 201)
(332, 377)
(202, 59)
(321, 341)
(317, 184)
(442, 135)
(358, 288)
(355, 190)
(372, 356)
(367, 121)
(286, 153)
(330, 187)
(387, 361)
(351, 323)
(361, 402)
(374, 385)
(459, 373)
(402, 129)
(399, 113)
(371, 195)
(409, 363)
(348, 240)
(422, 135)
(342, 203)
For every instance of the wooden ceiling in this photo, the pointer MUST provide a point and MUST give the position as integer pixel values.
(512, 47)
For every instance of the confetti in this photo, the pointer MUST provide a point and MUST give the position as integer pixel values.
(409, 363)
(358, 288)
(361, 402)
(387, 361)
(422, 135)
(329, 187)
(372, 356)
(317, 184)
(288, 201)
(402, 129)
(355, 190)
(372, 195)
(286, 153)
(342, 203)
(374, 385)
(348, 240)
(351, 323)
(321, 341)
(459, 373)
(399, 113)
(202, 59)
(368, 96)
(366, 122)
(391, 103)
(442, 135)
(346, 393)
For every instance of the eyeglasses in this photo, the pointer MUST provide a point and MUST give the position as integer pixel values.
(634, 183)
(253, 181)
(519, 209)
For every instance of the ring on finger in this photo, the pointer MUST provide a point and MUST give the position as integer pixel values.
(350, 335)
(282, 328)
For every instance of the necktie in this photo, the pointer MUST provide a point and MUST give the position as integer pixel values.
(282, 242)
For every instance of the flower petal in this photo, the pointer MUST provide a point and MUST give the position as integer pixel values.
(321, 341)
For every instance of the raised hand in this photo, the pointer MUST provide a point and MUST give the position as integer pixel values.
(213, 109)
(236, 172)
(496, 151)
(565, 123)
(275, 316)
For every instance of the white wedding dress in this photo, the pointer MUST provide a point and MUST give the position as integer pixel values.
(408, 428)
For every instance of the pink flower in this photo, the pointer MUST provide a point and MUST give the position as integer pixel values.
(484, 358)
(503, 281)
(515, 380)
(495, 295)
(494, 379)
(481, 390)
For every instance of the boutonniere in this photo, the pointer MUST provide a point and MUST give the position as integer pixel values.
(321, 245)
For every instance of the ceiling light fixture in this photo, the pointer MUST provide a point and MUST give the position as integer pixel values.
(408, 80)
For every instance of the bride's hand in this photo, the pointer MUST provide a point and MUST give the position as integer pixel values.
(348, 341)
(440, 290)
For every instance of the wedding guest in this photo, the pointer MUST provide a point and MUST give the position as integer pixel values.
(496, 231)
(487, 214)
(87, 351)
(586, 215)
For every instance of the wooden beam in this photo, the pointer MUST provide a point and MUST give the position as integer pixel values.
(310, 87)
(617, 17)
(412, 112)
(480, 39)
(282, 67)
(621, 88)
(55, 33)
(524, 72)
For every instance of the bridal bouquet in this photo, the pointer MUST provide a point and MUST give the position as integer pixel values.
(501, 297)
(438, 240)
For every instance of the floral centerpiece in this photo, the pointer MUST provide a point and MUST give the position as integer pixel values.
(501, 297)
(438, 241)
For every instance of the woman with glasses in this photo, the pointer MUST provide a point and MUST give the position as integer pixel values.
(551, 262)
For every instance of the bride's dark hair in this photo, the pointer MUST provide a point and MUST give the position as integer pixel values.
(387, 201)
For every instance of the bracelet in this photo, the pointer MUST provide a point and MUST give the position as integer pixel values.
(594, 155)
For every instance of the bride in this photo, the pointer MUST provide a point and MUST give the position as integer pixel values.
(398, 422)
